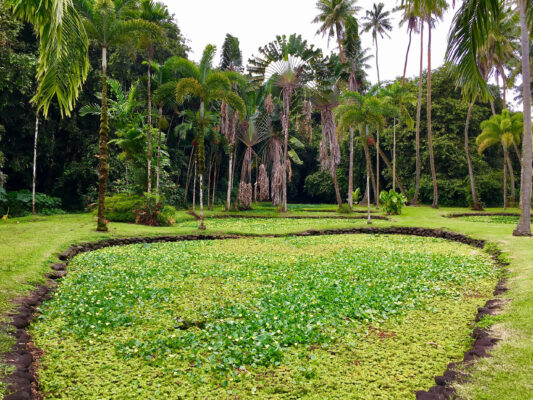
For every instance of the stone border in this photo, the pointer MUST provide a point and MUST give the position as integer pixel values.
(23, 383)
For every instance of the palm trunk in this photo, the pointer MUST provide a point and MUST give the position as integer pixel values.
(339, 41)
(504, 177)
(230, 180)
(377, 170)
(103, 166)
(418, 117)
(194, 188)
(215, 174)
(377, 62)
(350, 172)
(158, 171)
(368, 220)
(188, 178)
(336, 184)
(34, 178)
(390, 166)
(475, 201)
(149, 133)
(369, 165)
(524, 225)
(430, 133)
(521, 174)
(394, 156)
(407, 56)
(201, 159)
(202, 226)
(287, 93)
(511, 179)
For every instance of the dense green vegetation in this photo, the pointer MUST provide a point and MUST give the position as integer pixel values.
(226, 318)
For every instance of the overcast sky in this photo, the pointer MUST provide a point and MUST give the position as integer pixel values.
(257, 23)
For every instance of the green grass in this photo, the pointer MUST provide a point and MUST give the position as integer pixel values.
(27, 248)
(258, 305)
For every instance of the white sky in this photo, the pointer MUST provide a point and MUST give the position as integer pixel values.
(256, 23)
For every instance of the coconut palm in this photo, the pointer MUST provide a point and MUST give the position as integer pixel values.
(231, 60)
(156, 13)
(107, 27)
(379, 23)
(411, 19)
(504, 129)
(333, 18)
(205, 85)
(63, 51)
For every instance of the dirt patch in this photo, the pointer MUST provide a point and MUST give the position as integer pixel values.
(24, 356)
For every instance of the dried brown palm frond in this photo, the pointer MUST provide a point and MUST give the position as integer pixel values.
(269, 104)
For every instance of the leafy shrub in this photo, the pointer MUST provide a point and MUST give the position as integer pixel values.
(121, 207)
(345, 209)
(167, 216)
(356, 195)
(319, 187)
(18, 203)
(392, 202)
(146, 210)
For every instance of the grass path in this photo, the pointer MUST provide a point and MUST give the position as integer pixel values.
(28, 245)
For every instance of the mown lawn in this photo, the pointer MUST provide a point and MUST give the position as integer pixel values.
(27, 247)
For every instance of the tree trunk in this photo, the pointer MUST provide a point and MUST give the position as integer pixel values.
(201, 166)
(287, 93)
(369, 161)
(524, 225)
(34, 177)
(215, 176)
(336, 184)
(389, 166)
(103, 166)
(350, 173)
(368, 220)
(407, 56)
(149, 133)
(504, 177)
(394, 157)
(158, 171)
(377, 61)
(230, 177)
(418, 117)
(430, 133)
(201, 226)
(511, 179)
(339, 41)
(476, 205)
(209, 169)
(377, 170)
(188, 178)
(194, 188)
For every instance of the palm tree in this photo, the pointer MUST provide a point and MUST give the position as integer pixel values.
(231, 60)
(205, 84)
(378, 21)
(285, 63)
(156, 13)
(504, 129)
(107, 28)
(333, 19)
(63, 51)
(410, 18)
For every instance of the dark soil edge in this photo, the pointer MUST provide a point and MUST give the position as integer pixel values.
(482, 214)
(23, 383)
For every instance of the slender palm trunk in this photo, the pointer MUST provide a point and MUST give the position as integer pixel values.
(369, 167)
(511, 179)
(215, 175)
(336, 184)
(377, 170)
(201, 157)
(158, 171)
(418, 118)
(287, 93)
(339, 41)
(394, 156)
(430, 133)
(194, 187)
(377, 61)
(202, 225)
(524, 225)
(368, 220)
(350, 172)
(389, 166)
(476, 205)
(103, 166)
(230, 180)
(407, 56)
(504, 177)
(34, 178)
(188, 178)
(149, 133)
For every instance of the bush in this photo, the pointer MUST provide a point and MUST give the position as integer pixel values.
(167, 216)
(392, 202)
(121, 207)
(356, 196)
(18, 203)
(319, 187)
(148, 209)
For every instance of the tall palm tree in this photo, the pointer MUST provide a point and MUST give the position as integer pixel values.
(504, 129)
(286, 64)
(379, 23)
(63, 51)
(205, 84)
(332, 17)
(157, 13)
(107, 27)
(231, 60)
(409, 17)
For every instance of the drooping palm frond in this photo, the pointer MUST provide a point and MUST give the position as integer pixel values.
(63, 51)
(206, 63)
(188, 87)
(217, 81)
(165, 94)
(178, 67)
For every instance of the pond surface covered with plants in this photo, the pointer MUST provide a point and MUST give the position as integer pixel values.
(315, 317)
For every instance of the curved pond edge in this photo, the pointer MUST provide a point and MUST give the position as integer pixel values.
(23, 383)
